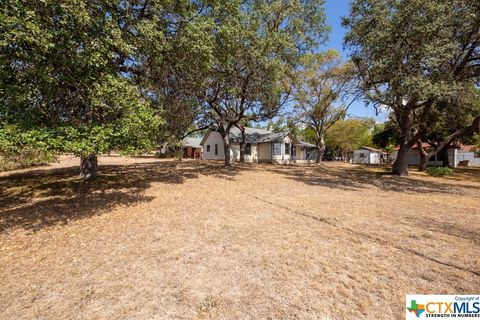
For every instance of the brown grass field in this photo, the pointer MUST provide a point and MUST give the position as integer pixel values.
(157, 239)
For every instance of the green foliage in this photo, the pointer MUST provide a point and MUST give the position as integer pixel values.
(439, 171)
(386, 134)
(476, 140)
(412, 49)
(350, 134)
(66, 76)
(19, 149)
(321, 88)
(417, 58)
(256, 46)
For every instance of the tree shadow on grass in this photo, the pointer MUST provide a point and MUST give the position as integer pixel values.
(39, 198)
(357, 178)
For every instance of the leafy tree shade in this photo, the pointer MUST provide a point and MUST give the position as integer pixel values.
(174, 71)
(257, 44)
(61, 76)
(349, 135)
(446, 129)
(322, 86)
(411, 54)
(386, 133)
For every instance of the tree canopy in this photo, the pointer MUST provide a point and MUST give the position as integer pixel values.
(101, 75)
(66, 74)
(321, 89)
(256, 47)
(411, 54)
(350, 134)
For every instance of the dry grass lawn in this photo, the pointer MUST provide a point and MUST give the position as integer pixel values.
(154, 239)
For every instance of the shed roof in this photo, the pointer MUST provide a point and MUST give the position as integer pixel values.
(371, 149)
(192, 142)
(306, 144)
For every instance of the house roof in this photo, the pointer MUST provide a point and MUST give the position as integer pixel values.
(306, 144)
(192, 142)
(468, 148)
(425, 146)
(370, 149)
(458, 146)
(253, 135)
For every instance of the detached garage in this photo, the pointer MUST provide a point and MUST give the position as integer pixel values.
(367, 155)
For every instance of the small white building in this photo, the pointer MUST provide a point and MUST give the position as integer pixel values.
(367, 155)
(261, 146)
(470, 154)
(457, 155)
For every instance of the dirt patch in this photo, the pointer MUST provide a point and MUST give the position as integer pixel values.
(155, 239)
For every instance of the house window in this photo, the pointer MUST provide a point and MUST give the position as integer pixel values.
(476, 154)
(361, 155)
(248, 149)
(208, 148)
(287, 148)
(277, 148)
(216, 149)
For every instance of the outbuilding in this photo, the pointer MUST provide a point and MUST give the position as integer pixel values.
(192, 148)
(367, 155)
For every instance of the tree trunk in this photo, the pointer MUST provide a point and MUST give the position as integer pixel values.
(226, 148)
(400, 166)
(242, 152)
(446, 143)
(88, 166)
(242, 144)
(444, 151)
(422, 165)
(320, 150)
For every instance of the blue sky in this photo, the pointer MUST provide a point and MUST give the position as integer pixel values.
(335, 10)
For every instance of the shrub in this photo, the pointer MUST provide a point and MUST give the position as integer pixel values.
(23, 148)
(439, 171)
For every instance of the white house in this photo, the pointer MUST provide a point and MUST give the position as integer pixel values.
(367, 155)
(457, 154)
(468, 153)
(261, 146)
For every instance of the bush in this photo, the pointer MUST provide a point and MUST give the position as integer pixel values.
(439, 171)
(23, 148)
(24, 158)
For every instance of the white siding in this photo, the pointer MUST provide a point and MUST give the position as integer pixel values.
(374, 157)
(264, 152)
(300, 153)
(467, 155)
(414, 158)
(212, 139)
(282, 158)
(361, 156)
(261, 152)
(235, 152)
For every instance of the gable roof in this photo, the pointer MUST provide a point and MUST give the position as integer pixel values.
(370, 149)
(253, 135)
(427, 146)
(306, 144)
(192, 142)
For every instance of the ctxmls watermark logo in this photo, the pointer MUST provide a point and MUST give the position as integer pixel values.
(442, 306)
